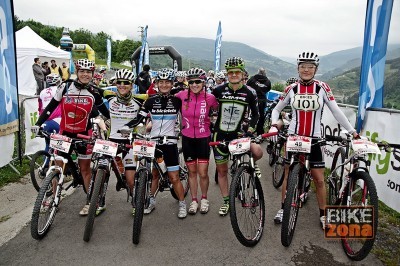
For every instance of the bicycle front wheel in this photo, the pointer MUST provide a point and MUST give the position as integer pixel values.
(291, 206)
(95, 200)
(45, 208)
(38, 167)
(139, 201)
(183, 176)
(246, 200)
(278, 170)
(337, 176)
(361, 191)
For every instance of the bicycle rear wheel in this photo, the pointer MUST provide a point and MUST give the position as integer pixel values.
(361, 191)
(291, 206)
(247, 207)
(139, 201)
(38, 167)
(95, 200)
(337, 176)
(45, 208)
(183, 176)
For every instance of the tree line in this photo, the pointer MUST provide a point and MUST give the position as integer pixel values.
(121, 50)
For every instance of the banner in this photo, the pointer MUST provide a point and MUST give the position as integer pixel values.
(218, 43)
(376, 32)
(31, 115)
(144, 41)
(146, 60)
(108, 54)
(8, 73)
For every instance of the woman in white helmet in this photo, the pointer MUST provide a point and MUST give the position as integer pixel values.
(306, 121)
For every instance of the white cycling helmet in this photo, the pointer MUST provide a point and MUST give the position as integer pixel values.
(180, 74)
(125, 74)
(220, 75)
(53, 79)
(166, 73)
(196, 73)
(308, 57)
(84, 64)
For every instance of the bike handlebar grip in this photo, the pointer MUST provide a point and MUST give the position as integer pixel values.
(81, 136)
(214, 143)
(129, 146)
(333, 138)
(267, 135)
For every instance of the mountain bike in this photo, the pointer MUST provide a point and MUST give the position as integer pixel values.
(104, 154)
(298, 182)
(147, 158)
(247, 206)
(49, 196)
(351, 185)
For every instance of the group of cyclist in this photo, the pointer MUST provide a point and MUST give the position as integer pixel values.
(192, 97)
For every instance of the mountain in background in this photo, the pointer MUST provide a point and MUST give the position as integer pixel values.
(199, 52)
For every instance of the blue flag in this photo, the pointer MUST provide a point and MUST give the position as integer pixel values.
(143, 48)
(108, 53)
(8, 71)
(376, 32)
(218, 43)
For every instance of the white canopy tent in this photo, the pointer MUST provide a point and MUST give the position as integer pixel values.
(30, 45)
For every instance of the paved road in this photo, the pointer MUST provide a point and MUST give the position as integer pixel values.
(166, 240)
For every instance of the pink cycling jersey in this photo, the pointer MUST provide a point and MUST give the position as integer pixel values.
(195, 113)
(44, 98)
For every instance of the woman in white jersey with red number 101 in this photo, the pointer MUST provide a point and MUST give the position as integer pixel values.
(307, 98)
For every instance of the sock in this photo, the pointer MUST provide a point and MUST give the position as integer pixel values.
(195, 199)
(203, 196)
(321, 212)
(226, 199)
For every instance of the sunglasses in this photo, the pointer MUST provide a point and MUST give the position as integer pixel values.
(197, 81)
(236, 72)
(123, 82)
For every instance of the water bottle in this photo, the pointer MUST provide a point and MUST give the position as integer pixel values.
(162, 165)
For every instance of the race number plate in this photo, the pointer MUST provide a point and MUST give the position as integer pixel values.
(239, 146)
(363, 146)
(298, 144)
(105, 147)
(60, 142)
(144, 148)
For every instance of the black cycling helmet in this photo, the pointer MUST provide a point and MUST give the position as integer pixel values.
(291, 81)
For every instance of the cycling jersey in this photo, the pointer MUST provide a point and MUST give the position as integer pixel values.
(163, 112)
(195, 113)
(307, 102)
(233, 106)
(44, 99)
(122, 113)
(77, 107)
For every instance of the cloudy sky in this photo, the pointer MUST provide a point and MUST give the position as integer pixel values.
(277, 27)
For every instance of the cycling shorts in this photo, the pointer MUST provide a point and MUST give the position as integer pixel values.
(171, 156)
(196, 149)
(84, 150)
(316, 156)
(128, 160)
(221, 153)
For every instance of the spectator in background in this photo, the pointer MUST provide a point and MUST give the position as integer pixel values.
(262, 85)
(55, 69)
(46, 69)
(143, 81)
(38, 73)
(65, 72)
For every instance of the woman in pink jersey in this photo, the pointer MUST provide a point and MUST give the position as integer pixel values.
(52, 124)
(196, 105)
(307, 97)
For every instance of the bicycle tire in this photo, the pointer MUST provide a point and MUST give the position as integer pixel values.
(37, 169)
(94, 202)
(278, 170)
(38, 231)
(291, 206)
(357, 249)
(337, 176)
(183, 176)
(267, 121)
(140, 198)
(247, 207)
(272, 156)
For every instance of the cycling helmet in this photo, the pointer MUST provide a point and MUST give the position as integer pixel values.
(196, 73)
(220, 75)
(103, 68)
(234, 62)
(210, 72)
(125, 74)
(97, 76)
(180, 74)
(166, 73)
(53, 79)
(112, 79)
(291, 81)
(84, 64)
(308, 57)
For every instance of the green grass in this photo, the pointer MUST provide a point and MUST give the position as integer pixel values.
(8, 175)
